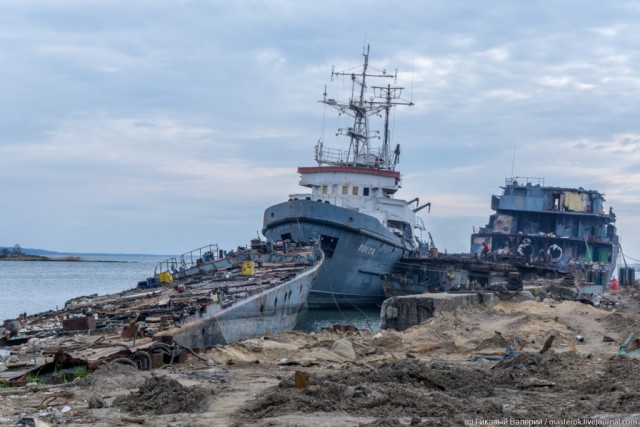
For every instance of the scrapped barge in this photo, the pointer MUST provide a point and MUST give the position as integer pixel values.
(566, 228)
(243, 295)
(536, 232)
(212, 298)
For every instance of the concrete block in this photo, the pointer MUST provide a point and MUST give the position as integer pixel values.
(400, 313)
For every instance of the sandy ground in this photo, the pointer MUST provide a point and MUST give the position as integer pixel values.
(434, 374)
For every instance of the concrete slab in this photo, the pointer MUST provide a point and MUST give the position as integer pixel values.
(403, 312)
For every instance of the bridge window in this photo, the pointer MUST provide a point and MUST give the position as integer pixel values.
(325, 189)
(345, 189)
(355, 190)
(365, 191)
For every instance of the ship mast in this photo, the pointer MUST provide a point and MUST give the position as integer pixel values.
(360, 152)
(389, 94)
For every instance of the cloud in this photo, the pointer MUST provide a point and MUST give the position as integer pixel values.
(564, 81)
(129, 118)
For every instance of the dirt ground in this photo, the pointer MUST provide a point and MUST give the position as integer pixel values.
(449, 371)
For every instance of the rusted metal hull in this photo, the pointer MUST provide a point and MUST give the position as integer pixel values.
(269, 312)
(455, 272)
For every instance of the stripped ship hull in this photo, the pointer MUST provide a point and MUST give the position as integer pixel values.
(224, 303)
(265, 313)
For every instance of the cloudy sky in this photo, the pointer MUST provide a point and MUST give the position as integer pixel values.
(160, 126)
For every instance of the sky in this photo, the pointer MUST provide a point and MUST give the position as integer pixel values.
(161, 126)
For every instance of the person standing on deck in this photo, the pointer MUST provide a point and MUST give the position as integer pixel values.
(485, 249)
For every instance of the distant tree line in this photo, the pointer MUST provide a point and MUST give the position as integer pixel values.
(17, 250)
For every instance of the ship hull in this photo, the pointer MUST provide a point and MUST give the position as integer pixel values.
(267, 313)
(357, 248)
(571, 246)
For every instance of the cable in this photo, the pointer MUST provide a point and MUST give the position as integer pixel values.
(331, 291)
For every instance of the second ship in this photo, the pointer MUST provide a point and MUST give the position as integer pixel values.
(363, 230)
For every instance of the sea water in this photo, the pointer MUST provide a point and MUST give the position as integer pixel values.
(36, 286)
(367, 319)
(33, 287)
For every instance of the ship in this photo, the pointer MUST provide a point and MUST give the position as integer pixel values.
(244, 294)
(194, 302)
(536, 232)
(566, 228)
(350, 209)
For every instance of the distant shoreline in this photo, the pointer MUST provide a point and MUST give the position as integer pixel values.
(25, 257)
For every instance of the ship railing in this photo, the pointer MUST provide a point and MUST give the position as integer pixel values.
(335, 156)
(199, 256)
(481, 230)
(169, 264)
(524, 180)
(188, 260)
(330, 155)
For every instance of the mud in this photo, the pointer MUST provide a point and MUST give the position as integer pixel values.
(400, 388)
(162, 395)
(115, 376)
(529, 386)
(472, 364)
(617, 322)
(496, 341)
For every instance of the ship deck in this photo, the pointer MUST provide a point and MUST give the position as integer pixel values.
(127, 326)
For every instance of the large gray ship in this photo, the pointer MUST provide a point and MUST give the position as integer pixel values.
(363, 230)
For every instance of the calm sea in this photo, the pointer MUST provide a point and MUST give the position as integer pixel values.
(36, 286)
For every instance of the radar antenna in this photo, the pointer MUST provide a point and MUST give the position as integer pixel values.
(360, 152)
